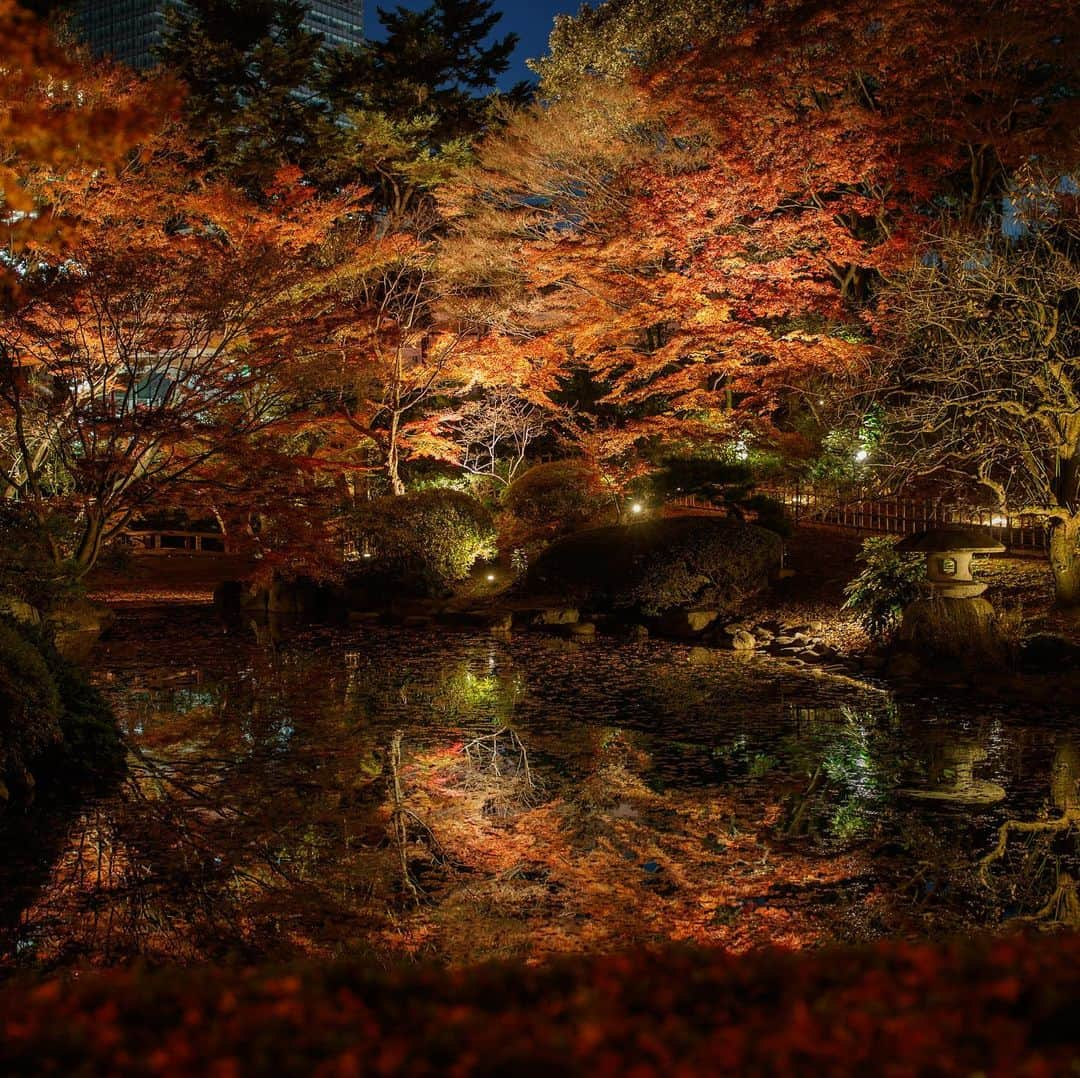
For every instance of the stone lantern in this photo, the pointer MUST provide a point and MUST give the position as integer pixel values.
(951, 623)
(948, 559)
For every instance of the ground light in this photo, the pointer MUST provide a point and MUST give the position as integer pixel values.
(637, 508)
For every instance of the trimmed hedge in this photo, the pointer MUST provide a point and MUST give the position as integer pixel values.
(420, 543)
(674, 564)
(996, 1007)
(557, 497)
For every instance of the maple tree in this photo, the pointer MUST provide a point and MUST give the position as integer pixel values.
(54, 117)
(148, 344)
(709, 237)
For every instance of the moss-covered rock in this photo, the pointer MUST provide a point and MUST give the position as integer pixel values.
(682, 563)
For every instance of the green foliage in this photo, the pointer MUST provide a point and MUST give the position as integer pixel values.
(847, 452)
(659, 565)
(424, 541)
(50, 713)
(615, 36)
(91, 744)
(30, 704)
(28, 572)
(399, 113)
(557, 497)
(723, 480)
(249, 66)
(706, 563)
(887, 582)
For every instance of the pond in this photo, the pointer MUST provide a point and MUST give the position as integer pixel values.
(452, 796)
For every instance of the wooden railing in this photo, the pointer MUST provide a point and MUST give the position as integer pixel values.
(176, 542)
(897, 515)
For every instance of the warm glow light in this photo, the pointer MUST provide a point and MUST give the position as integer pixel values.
(637, 507)
(491, 578)
(862, 455)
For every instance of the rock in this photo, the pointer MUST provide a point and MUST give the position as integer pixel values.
(77, 627)
(582, 628)
(699, 620)
(416, 621)
(639, 632)
(784, 641)
(963, 630)
(557, 616)
(363, 617)
(19, 610)
(701, 656)
(764, 635)
(903, 664)
(743, 641)
(501, 621)
(229, 595)
(687, 623)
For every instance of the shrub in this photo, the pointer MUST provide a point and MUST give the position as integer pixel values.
(659, 565)
(30, 706)
(557, 497)
(422, 542)
(888, 581)
(27, 571)
(706, 563)
(50, 713)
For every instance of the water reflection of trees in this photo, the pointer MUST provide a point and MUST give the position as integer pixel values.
(1038, 872)
(472, 798)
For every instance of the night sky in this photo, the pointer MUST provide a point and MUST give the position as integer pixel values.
(529, 19)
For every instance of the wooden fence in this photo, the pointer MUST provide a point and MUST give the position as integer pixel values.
(176, 542)
(898, 516)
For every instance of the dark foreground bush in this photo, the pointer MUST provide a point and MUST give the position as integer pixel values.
(998, 1008)
(30, 706)
(420, 543)
(52, 720)
(658, 565)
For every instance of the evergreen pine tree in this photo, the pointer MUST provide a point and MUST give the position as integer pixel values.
(253, 73)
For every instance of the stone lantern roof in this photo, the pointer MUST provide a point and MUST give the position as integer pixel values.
(951, 540)
(948, 558)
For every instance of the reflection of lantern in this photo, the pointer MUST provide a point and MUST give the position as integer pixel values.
(955, 779)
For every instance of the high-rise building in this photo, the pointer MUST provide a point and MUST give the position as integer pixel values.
(130, 30)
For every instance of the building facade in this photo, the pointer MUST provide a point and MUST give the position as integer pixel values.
(130, 30)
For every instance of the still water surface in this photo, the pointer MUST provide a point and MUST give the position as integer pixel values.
(455, 796)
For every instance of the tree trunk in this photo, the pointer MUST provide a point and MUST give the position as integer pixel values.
(89, 549)
(1065, 560)
(393, 459)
